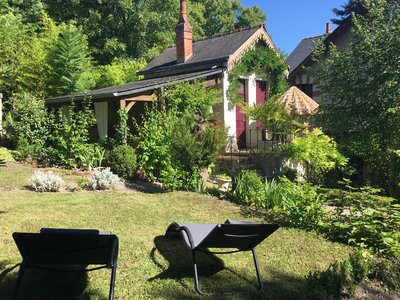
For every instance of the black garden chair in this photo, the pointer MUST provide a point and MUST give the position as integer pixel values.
(57, 249)
(234, 236)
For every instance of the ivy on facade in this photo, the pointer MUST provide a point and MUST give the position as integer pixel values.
(266, 64)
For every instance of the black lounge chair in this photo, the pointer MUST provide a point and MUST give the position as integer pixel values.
(52, 248)
(239, 235)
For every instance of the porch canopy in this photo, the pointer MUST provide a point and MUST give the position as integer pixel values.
(296, 102)
(129, 93)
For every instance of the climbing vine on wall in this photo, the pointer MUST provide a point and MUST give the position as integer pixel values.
(265, 63)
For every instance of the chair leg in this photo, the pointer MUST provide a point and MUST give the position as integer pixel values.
(112, 282)
(196, 275)
(260, 284)
(19, 279)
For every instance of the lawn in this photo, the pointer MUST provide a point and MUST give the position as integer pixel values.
(149, 266)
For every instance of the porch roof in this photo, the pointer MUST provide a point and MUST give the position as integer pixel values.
(133, 88)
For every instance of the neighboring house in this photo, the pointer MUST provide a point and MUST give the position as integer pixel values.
(300, 61)
(209, 59)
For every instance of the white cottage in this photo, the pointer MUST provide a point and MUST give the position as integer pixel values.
(209, 59)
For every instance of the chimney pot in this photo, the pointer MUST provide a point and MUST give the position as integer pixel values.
(328, 28)
(184, 36)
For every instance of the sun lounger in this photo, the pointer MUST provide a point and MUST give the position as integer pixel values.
(234, 236)
(52, 248)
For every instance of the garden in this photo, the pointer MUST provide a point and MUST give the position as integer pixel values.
(339, 209)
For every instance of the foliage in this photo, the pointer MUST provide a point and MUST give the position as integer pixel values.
(191, 97)
(142, 29)
(316, 152)
(386, 271)
(6, 155)
(121, 70)
(249, 189)
(351, 6)
(122, 129)
(18, 45)
(339, 280)
(46, 182)
(273, 194)
(272, 115)
(102, 179)
(122, 161)
(367, 226)
(68, 140)
(265, 63)
(360, 89)
(302, 205)
(93, 156)
(175, 140)
(247, 16)
(69, 63)
(26, 120)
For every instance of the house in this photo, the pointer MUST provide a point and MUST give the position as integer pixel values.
(300, 60)
(209, 59)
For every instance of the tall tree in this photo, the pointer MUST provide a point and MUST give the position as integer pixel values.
(69, 63)
(361, 91)
(247, 16)
(22, 55)
(31, 10)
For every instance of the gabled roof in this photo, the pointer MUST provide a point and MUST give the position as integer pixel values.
(302, 51)
(133, 88)
(301, 55)
(210, 52)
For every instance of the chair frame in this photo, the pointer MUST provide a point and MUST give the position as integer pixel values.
(111, 264)
(204, 249)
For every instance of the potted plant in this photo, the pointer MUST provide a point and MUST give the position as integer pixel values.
(223, 181)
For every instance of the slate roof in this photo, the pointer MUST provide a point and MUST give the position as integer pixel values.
(135, 87)
(302, 51)
(212, 51)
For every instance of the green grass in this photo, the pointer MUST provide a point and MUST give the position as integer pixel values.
(149, 266)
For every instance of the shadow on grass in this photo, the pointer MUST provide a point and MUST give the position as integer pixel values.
(180, 260)
(144, 187)
(45, 285)
(214, 276)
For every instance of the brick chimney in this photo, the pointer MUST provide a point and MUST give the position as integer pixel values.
(328, 28)
(184, 42)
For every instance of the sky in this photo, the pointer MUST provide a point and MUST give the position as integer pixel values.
(289, 21)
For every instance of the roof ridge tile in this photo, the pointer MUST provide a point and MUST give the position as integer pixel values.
(315, 36)
(241, 29)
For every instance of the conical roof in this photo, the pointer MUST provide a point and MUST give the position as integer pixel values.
(297, 102)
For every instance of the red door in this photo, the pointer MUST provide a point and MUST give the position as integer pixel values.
(261, 92)
(261, 95)
(241, 118)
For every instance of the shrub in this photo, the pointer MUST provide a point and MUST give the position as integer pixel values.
(386, 271)
(360, 225)
(175, 141)
(122, 161)
(5, 155)
(68, 141)
(46, 182)
(249, 189)
(102, 179)
(316, 152)
(302, 205)
(26, 119)
(339, 280)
